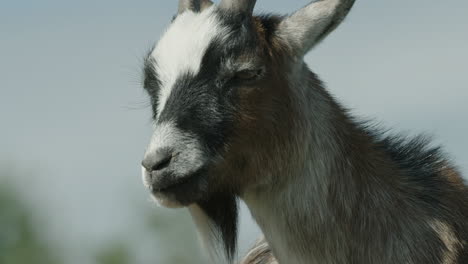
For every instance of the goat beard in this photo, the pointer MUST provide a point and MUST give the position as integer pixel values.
(223, 212)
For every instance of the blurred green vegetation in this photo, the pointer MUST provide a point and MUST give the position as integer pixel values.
(19, 242)
(170, 234)
(115, 253)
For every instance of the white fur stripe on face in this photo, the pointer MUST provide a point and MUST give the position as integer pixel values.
(182, 47)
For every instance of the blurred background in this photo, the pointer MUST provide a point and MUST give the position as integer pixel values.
(74, 120)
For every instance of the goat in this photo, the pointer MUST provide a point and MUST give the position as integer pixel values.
(239, 115)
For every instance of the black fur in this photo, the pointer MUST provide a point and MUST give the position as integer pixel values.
(151, 82)
(424, 166)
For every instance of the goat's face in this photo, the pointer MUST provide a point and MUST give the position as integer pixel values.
(206, 78)
(220, 85)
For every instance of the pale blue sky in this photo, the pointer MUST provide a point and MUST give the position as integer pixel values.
(73, 116)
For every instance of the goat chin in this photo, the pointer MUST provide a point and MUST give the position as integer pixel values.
(163, 201)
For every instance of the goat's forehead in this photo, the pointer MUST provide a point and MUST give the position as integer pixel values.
(182, 47)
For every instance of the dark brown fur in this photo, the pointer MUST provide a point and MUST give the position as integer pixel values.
(382, 176)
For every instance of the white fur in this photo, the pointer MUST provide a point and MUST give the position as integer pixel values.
(182, 47)
(165, 135)
(145, 178)
(164, 201)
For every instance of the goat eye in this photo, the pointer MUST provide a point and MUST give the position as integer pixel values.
(248, 75)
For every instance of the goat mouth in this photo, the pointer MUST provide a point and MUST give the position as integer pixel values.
(183, 184)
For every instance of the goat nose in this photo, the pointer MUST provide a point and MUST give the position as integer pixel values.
(157, 160)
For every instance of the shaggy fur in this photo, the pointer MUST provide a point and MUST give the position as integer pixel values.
(323, 187)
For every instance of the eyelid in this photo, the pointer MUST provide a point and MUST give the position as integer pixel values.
(248, 74)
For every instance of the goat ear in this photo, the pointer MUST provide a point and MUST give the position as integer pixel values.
(185, 5)
(204, 4)
(240, 6)
(311, 24)
(194, 5)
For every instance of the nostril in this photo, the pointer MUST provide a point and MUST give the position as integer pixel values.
(162, 164)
